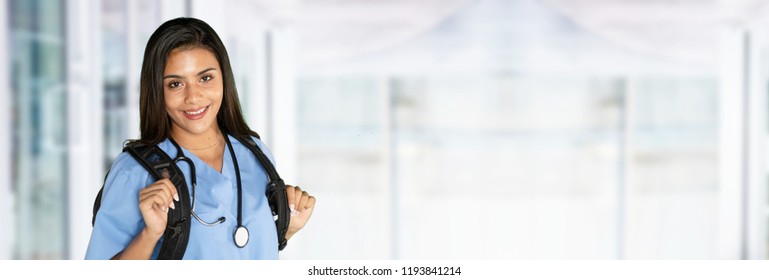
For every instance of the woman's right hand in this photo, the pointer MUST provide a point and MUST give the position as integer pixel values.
(154, 203)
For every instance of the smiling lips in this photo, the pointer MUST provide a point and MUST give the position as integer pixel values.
(197, 114)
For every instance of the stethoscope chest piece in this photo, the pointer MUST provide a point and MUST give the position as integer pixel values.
(241, 236)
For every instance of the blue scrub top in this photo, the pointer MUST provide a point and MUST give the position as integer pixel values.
(119, 219)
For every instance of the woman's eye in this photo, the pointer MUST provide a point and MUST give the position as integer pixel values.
(174, 84)
(206, 78)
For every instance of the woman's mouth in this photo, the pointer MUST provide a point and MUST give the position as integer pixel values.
(196, 114)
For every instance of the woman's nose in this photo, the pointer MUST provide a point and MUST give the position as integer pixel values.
(193, 94)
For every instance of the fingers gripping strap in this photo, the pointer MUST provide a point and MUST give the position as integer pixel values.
(177, 232)
(275, 192)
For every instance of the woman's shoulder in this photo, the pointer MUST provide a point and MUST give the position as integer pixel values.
(125, 162)
(125, 178)
(127, 168)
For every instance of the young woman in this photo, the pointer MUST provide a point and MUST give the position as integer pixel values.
(188, 97)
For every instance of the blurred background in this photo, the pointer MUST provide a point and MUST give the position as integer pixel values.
(427, 129)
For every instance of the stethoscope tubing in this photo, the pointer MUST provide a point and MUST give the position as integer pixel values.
(180, 156)
(240, 235)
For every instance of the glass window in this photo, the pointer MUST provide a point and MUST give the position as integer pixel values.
(40, 128)
(672, 201)
(506, 130)
(340, 147)
(506, 166)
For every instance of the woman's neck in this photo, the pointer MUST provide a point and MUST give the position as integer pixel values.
(209, 146)
(197, 142)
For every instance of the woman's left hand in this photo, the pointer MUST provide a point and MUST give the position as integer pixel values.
(301, 204)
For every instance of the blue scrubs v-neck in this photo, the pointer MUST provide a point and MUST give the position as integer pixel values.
(119, 219)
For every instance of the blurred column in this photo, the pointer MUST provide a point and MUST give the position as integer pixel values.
(755, 198)
(6, 197)
(85, 109)
(625, 157)
(759, 135)
(134, 69)
(733, 143)
(389, 156)
(251, 63)
(282, 101)
(254, 101)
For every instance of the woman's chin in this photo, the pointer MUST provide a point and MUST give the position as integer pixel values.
(197, 128)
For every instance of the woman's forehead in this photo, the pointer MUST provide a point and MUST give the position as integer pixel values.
(190, 60)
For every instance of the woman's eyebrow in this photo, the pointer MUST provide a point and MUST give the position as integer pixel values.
(182, 77)
(206, 70)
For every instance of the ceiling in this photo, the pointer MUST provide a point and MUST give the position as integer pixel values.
(683, 30)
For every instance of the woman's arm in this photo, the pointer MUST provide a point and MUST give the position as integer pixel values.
(154, 203)
(141, 247)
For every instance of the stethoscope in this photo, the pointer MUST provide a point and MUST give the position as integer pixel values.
(241, 232)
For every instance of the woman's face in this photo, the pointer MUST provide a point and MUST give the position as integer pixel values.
(193, 89)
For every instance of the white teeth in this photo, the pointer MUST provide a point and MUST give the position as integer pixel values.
(196, 112)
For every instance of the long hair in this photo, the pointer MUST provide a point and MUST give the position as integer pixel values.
(186, 33)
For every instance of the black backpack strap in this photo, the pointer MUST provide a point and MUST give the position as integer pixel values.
(276, 193)
(177, 233)
(97, 201)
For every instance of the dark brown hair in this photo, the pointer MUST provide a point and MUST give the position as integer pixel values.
(184, 33)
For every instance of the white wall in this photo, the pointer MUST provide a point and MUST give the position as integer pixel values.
(84, 120)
